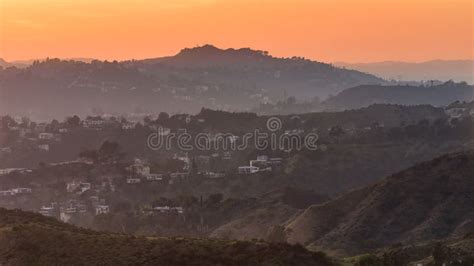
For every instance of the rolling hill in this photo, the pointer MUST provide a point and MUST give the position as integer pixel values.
(430, 201)
(232, 79)
(31, 239)
(273, 209)
(366, 95)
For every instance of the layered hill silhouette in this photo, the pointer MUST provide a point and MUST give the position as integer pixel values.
(429, 201)
(366, 95)
(458, 70)
(31, 239)
(231, 79)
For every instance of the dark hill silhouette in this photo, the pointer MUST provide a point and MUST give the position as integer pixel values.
(231, 79)
(365, 95)
(430, 201)
(31, 239)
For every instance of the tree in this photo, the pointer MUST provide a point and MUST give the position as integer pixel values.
(92, 155)
(163, 116)
(336, 132)
(147, 120)
(73, 121)
(215, 198)
(7, 121)
(110, 151)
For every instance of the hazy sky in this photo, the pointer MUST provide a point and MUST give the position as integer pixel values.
(325, 30)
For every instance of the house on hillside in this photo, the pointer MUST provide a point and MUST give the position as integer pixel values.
(102, 209)
(133, 180)
(127, 125)
(154, 177)
(168, 209)
(78, 187)
(248, 169)
(215, 175)
(139, 168)
(44, 147)
(7, 171)
(6, 193)
(21, 190)
(50, 210)
(5, 150)
(45, 136)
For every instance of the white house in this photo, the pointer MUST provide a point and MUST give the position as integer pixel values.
(162, 209)
(248, 169)
(168, 209)
(45, 136)
(21, 191)
(7, 171)
(44, 147)
(179, 175)
(215, 175)
(163, 131)
(132, 180)
(78, 187)
(128, 125)
(102, 209)
(6, 193)
(139, 168)
(154, 177)
(6, 150)
(47, 211)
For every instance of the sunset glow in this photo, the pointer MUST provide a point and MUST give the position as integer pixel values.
(325, 30)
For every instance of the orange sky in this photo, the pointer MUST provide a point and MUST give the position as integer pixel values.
(325, 30)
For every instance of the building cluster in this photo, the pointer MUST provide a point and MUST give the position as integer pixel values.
(166, 209)
(263, 163)
(15, 191)
(68, 209)
(7, 171)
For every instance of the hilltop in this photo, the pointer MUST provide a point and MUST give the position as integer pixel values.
(429, 201)
(231, 79)
(28, 238)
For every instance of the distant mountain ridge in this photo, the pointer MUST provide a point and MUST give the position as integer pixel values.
(457, 70)
(17, 64)
(366, 95)
(27, 63)
(231, 79)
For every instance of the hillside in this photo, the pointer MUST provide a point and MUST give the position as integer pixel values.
(232, 79)
(27, 238)
(365, 95)
(272, 210)
(432, 200)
